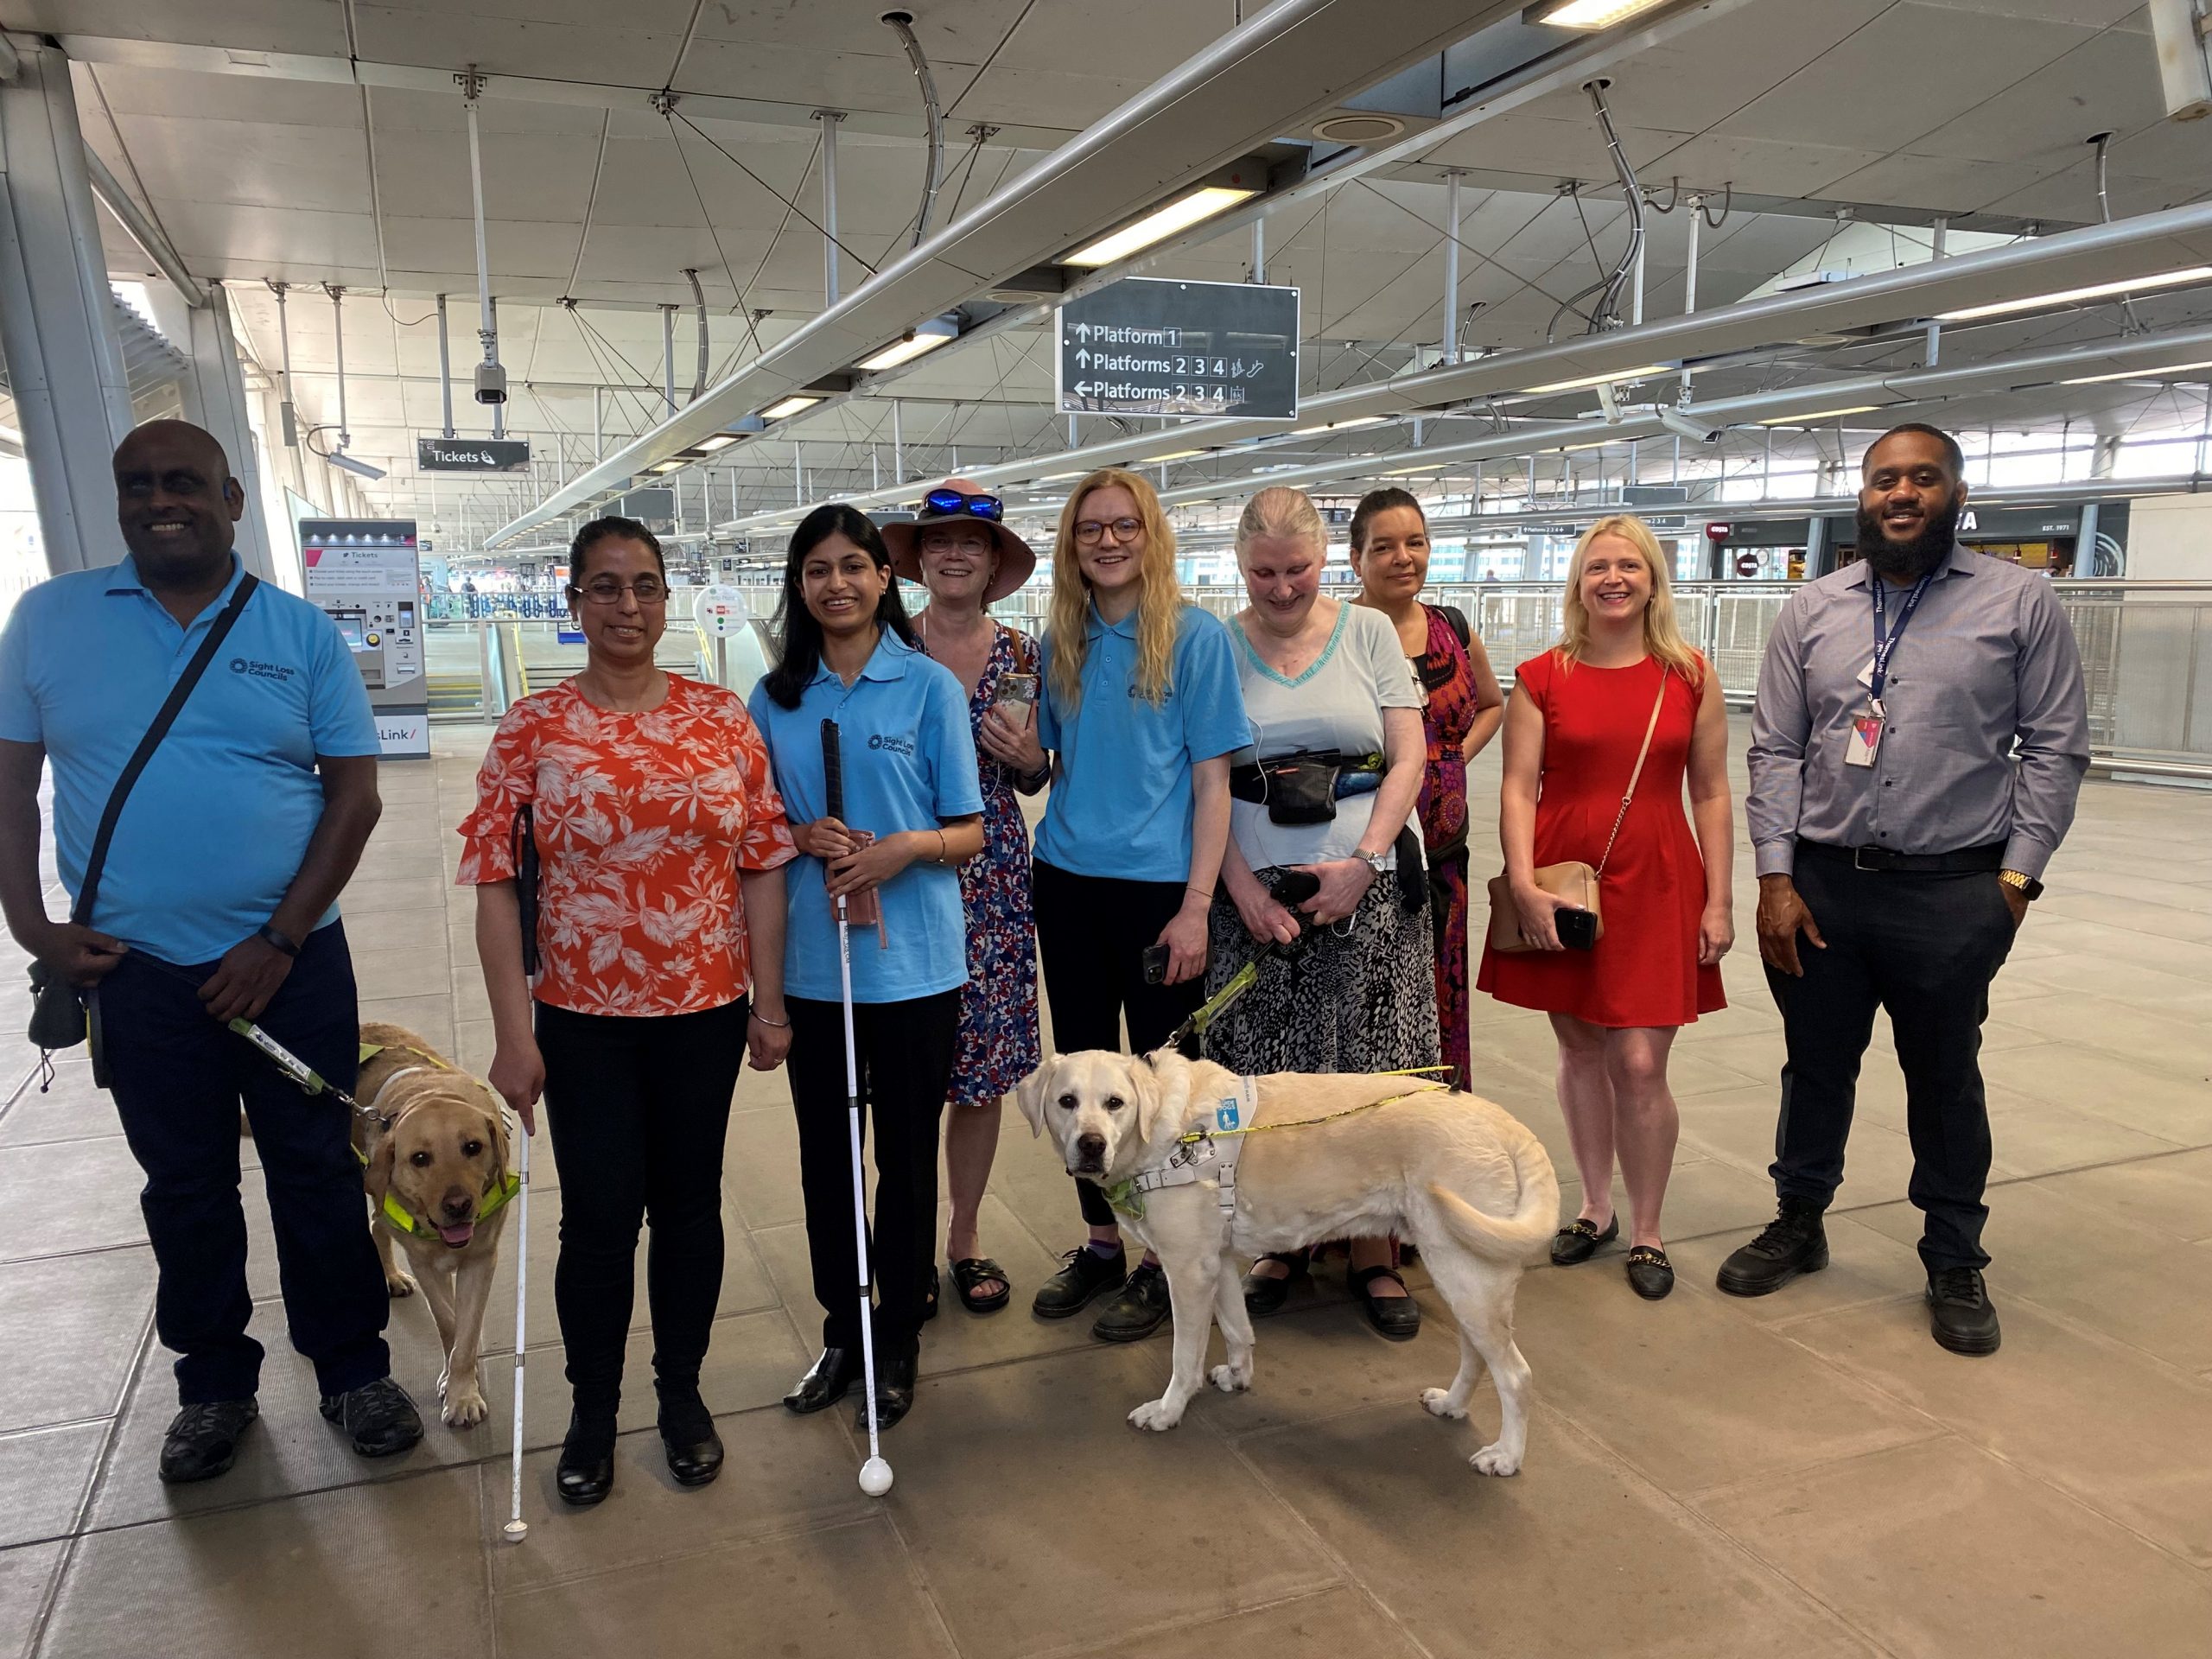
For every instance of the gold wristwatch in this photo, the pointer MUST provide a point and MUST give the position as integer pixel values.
(2026, 886)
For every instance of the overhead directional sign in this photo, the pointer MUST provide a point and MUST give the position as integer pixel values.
(471, 455)
(1146, 345)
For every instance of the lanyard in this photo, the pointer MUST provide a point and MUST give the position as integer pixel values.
(1886, 642)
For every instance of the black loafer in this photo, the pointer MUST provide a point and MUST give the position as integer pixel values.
(1960, 1316)
(826, 1382)
(1650, 1274)
(1265, 1293)
(687, 1432)
(1083, 1276)
(894, 1392)
(1142, 1308)
(1571, 1246)
(203, 1441)
(1397, 1318)
(584, 1474)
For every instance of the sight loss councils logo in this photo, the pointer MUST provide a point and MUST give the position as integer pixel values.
(892, 741)
(278, 672)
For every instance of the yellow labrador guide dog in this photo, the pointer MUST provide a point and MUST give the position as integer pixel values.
(434, 1163)
(1209, 1169)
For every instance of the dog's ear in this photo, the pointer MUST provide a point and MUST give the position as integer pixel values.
(1029, 1094)
(500, 1149)
(376, 1177)
(1144, 1085)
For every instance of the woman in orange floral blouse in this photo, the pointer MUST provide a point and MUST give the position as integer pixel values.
(662, 840)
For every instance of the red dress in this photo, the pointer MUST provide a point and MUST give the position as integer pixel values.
(1644, 971)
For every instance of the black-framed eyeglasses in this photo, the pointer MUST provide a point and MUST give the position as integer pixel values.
(975, 507)
(605, 590)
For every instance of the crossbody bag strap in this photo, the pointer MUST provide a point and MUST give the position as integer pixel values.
(88, 890)
(1634, 778)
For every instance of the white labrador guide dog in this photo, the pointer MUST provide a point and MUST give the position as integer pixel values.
(1455, 1173)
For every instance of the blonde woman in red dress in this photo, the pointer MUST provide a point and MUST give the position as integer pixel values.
(1572, 730)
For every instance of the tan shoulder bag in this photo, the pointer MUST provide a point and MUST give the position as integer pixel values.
(1574, 881)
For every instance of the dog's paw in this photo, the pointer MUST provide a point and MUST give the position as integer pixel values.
(1157, 1416)
(1495, 1460)
(398, 1284)
(1231, 1379)
(1438, 1403)
(464, 1406)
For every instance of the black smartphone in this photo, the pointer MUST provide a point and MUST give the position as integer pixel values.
(1294, 888)
(1155, 965)
(1578, 928)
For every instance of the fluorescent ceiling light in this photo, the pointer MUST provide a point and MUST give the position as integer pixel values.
(1340, 426)
(2066, 296)
(1611, 378)
(1415, 471)
(719, 441)
(1179, 455)
(1589, 14)
(1159, 224)
(937, 331)
(1819, 414)
(667, 466)
(790, 405)
(1061, 478)
(2137, 374)
(1594, 443)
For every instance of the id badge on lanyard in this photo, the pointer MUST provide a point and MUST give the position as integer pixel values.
(1864, 741)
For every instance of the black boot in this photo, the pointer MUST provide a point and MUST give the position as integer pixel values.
(584, 1474)
(1794, 1243)
(894, 1389)
(1083, 1276)
(826, 1382)
(687, 1432)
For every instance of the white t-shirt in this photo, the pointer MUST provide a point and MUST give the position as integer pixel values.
(1337, 704)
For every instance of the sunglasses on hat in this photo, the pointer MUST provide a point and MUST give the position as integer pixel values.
(973, 506)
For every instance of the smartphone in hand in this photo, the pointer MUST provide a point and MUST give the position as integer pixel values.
(1578, 928)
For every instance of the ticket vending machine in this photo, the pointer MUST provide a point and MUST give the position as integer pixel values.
(364, 575)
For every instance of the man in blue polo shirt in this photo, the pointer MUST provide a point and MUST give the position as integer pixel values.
(218, 899)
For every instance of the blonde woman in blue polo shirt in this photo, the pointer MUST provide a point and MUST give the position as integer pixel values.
(913, 812)
(1141, 702)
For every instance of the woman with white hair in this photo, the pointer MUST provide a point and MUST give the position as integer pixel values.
(1323, 863)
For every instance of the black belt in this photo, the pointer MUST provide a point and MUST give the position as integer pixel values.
(1991, 857)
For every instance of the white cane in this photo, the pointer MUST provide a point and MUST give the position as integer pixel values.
(517, 1527)
(876, 1473)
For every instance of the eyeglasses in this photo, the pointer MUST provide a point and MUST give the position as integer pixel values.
(975, 506)
(1089, 531)
(646, 590)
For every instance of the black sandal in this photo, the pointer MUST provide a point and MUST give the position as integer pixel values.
(1264, 1293)
(928, 1301)
(1650, 1276)
(1573, 1245)
(1397, 1318)
(973, 1270)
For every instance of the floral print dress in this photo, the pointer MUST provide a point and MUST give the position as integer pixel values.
(998, 1043)
(643, 823)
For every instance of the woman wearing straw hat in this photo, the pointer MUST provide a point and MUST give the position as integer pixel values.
(958, 547)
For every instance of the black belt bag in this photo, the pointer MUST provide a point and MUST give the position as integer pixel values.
(1300, 787)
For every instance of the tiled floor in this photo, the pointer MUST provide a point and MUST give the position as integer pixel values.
(1706, 1477)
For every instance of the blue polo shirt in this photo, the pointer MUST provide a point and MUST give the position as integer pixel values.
(1121, 805)
(218, 824)
(909, 760)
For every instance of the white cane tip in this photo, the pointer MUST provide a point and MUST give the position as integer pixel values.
(876, 1477)
(515, 1531)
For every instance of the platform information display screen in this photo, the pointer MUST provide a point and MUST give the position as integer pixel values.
(1147, 345)
(364, 575)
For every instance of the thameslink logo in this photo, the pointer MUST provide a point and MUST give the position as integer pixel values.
(277, 671)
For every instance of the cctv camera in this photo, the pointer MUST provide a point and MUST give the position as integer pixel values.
(1685, 423)
(490, 383)
(358, 468)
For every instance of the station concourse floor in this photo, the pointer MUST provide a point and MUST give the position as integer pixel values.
(1803, 1474)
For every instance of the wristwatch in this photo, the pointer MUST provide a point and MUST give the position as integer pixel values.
(2026, 886)
(1377, 863)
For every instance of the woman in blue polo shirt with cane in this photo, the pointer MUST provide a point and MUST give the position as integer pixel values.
(913, 812)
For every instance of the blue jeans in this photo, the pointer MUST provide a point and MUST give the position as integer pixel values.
(180, 1080)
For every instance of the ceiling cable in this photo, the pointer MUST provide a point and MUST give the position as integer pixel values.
(901, 23)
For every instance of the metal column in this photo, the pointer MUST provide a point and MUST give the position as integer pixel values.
(1936, 329)
(445, 371)
(1451, 266)
(668, 357)
(57, 323)
(1260, 249)
(215, 398)
(830, 287)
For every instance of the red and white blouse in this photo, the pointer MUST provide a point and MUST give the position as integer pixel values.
(642, 822)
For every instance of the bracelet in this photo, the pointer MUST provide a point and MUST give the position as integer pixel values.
(268, 936)
(943, 848)
(780, 1025)
(1205, 893)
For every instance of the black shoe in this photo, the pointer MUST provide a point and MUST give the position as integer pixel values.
(827, 1383)
(1141, 1309)
(1794, 1243)
(1397, 1318)
(1079, 1282)
(203, 1439)
(379, 1416)
(1960, 1314)
(584, 1474)
(894, 1391)
(1571, 1246)
(1264, 1294)
(687, 1432)
(1650, 1276)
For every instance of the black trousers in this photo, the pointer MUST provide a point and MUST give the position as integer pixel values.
(1924, 948)
(639, 1108)
(1092, 933)
(906, 1051)
(179, 1081)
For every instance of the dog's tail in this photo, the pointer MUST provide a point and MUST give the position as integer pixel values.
(1515, 1238)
